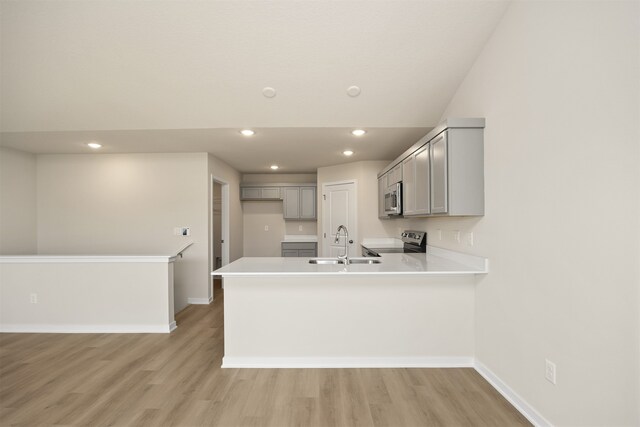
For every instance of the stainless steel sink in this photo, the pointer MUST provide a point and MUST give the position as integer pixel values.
(364, 261)
(341, 261)
(325, 261)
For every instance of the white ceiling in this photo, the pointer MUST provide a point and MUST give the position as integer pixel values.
(186, 75)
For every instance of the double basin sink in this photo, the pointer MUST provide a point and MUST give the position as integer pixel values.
(330, 261)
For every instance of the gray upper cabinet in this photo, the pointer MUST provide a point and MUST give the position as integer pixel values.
(395, 175)
(443, 173)
(457, 173)
(382, 184)
(415, 184)
(291, 200)
(260, 193)
(423, 180)
(439, 187)
(409, 186)
(299, 202)
(308, 203)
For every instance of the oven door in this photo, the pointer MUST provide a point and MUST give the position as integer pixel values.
(392, 200)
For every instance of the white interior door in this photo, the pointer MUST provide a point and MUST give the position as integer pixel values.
(339, 208)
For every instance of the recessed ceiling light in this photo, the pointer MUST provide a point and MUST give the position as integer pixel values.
(247, 132)
(274, 167)
(358, 132)
(347, 152)
(353, 91)
(94, 145)
(269, 92)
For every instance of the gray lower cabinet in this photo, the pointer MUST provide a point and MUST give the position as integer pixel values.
(260, 193)
(299, 203)
(299, 249)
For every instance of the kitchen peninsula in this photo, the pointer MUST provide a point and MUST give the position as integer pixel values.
(410, 310)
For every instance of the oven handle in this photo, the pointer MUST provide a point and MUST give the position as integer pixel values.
(366, 252)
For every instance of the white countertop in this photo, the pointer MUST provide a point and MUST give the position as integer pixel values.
(94, 258)
(382, 242)
(436, 261)
(300, 238)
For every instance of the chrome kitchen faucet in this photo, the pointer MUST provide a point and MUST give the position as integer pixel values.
(344, 257)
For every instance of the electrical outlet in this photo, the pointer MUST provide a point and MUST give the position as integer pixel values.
(33, 298)
(456, 235)
(468, 238)
(266, 228)
(550, 371)
(299, 228)
(439, 234)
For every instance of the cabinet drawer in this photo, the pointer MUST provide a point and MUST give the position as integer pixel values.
(310, 246)
(307, 253)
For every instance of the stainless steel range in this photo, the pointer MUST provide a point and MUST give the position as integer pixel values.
(413, 242)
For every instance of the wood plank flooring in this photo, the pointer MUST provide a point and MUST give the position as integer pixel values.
(175, 379)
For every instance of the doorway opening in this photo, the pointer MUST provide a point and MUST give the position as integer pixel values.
(219, 226)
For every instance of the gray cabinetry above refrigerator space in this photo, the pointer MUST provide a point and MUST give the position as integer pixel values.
(260, 193)
(299, 203)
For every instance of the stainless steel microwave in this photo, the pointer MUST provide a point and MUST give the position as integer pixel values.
(393, 199)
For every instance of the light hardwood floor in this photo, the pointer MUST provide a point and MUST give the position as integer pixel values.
(175, 379)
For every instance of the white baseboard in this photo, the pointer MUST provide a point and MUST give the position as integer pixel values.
(172, 326)
(87, 329)
(518, 402)
(200, 300)
(347, 362)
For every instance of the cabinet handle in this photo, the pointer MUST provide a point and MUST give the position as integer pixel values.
(350, 241)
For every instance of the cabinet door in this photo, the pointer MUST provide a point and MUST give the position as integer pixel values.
(395, 175)
(307, 253)
(289, 252)
(381, 187)
(307, 202)
(251, 193)
(439, 177)
(291, 200)
(408, 186)
(271, 193)
(422, 180)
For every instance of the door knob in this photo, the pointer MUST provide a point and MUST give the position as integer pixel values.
(350, 241)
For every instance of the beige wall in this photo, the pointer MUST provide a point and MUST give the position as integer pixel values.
(558, 84)
(128, 204)
(257, 215)
(294, 178)
(17, 202)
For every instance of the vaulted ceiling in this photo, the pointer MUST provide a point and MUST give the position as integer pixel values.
(144, 76)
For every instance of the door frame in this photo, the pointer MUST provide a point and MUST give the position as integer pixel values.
(325, 225)
(224, 208)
